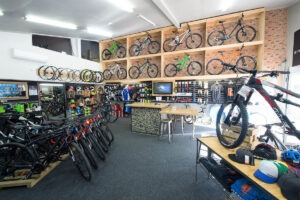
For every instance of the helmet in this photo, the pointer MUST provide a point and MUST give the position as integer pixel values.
(292, 157)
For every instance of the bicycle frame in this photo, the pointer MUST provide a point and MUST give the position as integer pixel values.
(113, 47)
(232, 58)
(144, 42)
(179, 38)
(181, 64)
(115, 68)
(238, 24)
(143, 66)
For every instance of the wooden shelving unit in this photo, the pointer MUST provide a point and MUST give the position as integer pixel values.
(202, 54)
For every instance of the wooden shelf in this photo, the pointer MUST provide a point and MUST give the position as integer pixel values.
(115, 60)
(185, 51)
(233, 46)
(144, 56)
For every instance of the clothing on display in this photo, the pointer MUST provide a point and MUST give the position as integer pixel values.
(216, 90)
(289, 184)
(265, 151)
(242, 156)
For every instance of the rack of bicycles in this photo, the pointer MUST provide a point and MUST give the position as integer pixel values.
(29, 148)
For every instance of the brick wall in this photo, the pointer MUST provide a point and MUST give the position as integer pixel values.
(275, 39)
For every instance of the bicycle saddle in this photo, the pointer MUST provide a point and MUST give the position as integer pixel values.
(221, 21)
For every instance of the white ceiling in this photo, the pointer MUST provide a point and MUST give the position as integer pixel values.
(98, 13)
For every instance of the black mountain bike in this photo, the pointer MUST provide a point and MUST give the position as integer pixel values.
(153, 46)
(234, 114)
(244, 34)
(135, 71)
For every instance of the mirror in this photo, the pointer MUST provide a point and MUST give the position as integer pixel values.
(13, 90)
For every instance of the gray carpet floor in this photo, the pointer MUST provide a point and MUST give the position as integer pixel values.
(138, 166)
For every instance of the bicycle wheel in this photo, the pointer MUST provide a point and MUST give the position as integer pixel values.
(188, 119)
(41, 73)
(96, 146)
(152, 70)
(194, 68)
(87, 75)
(62, 74)
(169, 45)
(245, 34)
(215, 38)
(80, 161)
(193, 41)
(98, 77)
(107, 74)
(232, 124)
(107, 133)
(88, 152)
(50, 73)
(122, 73)
(106, 54)
(76, 75)
(215, 66)
(170, 70)
(101, 141)
(245, 62)
(134, 50)
(113, 114)
(121, 52)
(153, 47)
(134, 72)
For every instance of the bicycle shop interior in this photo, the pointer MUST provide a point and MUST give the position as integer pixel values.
(152, 99)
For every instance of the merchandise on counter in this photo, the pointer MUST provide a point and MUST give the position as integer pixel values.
(265, 151)
(242, 156)
(292, 157)
(289, 184)
(269, 171)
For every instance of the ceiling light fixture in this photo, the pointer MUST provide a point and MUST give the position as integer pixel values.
(146, 19)
(96, 31)
(226, 4)
(50, 22)
(167, 12)
(122, 4)
(1, 13)
(109, 23)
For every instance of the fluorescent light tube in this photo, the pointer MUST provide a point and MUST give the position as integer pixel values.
(122, 4)
(96, 31)
(50, 22)
(51, 84)
(1, 13)
(226, 4)
(146, 19)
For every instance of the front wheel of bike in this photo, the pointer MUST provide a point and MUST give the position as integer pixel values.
(245, 62)
(122, 74)
(170, 70)
(193, 41)
(153, 47)
(152, 71)
(194, 68)
(232, 124)
(121, 52)
(134, 50)
(134, 72)
(80, 161)
(107, 74)
(245, 34)
(106, 54)
(169, 45)
(215, 66)
(215, 38)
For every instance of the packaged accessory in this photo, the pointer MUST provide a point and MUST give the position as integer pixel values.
(242, 156)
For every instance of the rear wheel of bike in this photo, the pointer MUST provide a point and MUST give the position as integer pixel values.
(215, 38)
(153, 47)
(80, 161)
(232, 124)
(245, 62)
(134, 50)
(193, 41)
(107, 74)
(96, 146)
(194, 68)
(170, 70)
(188, 119)
(107, 133)
(122, 73)
(88, 152)
(152, 71)
(113, 114)
(245, 34)
(121, 52)
(101, 141)
(134, 72)
(106, 54)
(169, 45)
(215, 66)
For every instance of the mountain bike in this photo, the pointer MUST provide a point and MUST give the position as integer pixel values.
(116, 68)
(152, 45)
(217, 66)
(234, 114)
(116, 47)
(244, 34)
(194, 67)
(192, 40)
(136, 71)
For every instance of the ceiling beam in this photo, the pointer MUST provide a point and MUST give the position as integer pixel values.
(167, 12)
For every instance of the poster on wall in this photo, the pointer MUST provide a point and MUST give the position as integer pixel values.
(296, 50)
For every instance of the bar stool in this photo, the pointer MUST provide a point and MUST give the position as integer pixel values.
(168, 124)
(176, 118)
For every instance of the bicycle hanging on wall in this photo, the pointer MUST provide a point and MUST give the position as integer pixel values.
(116, 68)
(116, 47)
(152, 45)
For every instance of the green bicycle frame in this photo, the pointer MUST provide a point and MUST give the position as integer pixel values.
(113, 47)
(182, 63)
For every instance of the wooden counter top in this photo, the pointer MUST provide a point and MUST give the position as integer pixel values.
(180, 111)
(246, 170)
(148, 105)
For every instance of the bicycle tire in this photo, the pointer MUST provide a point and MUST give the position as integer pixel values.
(152, 70)
(170, 70)
(217, 37)
(70, 74)
(188, 119)
(98, 77)
(88, 152)
(121, 52)
(244, 32)
(153, 47)
(96, 146)
(106, 54)
(63, 74)
(76, 75)
(113, 115)
(52, 71)
(194, 68)
(134, 50)
(101, 141)
(122, 73)
(245, 62)
(237, 115)
(215, 68)
(193, 41)
(80, 161)
(87, 75)
(107, 74)
(41, 72)
(134, 72)
(169, 45)
(107, 133)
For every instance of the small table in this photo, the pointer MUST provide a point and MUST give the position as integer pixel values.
(182, 112)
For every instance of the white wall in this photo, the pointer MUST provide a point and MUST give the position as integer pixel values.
(18, 69)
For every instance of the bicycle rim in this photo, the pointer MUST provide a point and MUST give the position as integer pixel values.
(194, 68)
(121, 52)
(245, 34)
(152, 70)
(245, 62)
(153, 47)
(134, 72)
(193, 41)
(122, 74)
(215, 38)
(106, 54)
(107, 74)
(169, 45)
(134, 50)
(214, 67)
(170, 70)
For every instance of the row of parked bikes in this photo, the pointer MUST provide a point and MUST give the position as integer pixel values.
(26, 145)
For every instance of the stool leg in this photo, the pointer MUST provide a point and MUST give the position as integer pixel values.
(169, 131)
(182, 124)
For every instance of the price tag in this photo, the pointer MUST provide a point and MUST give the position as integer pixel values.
(244, 91)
